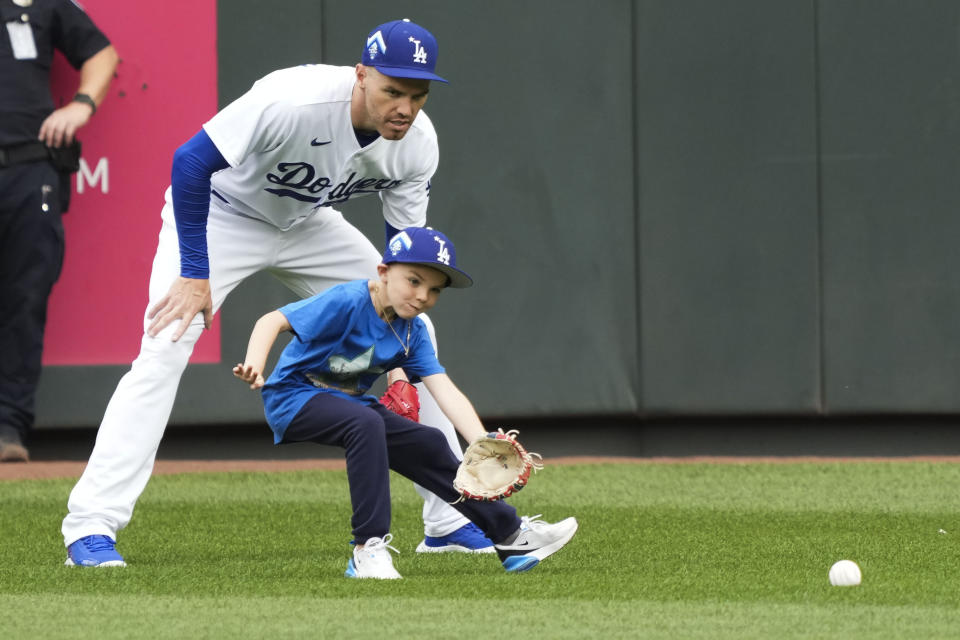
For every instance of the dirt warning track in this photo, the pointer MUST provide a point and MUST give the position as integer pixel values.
(73, 469)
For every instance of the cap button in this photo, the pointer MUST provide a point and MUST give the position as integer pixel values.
(406, 19)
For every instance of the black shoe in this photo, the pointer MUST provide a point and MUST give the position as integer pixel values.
(11, 446)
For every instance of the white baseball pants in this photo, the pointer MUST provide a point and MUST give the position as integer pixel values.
(321, 252)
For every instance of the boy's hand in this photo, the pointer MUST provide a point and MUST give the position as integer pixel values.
(248, 374)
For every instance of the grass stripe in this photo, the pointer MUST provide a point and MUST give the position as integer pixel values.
(367, 616)
(685, 550)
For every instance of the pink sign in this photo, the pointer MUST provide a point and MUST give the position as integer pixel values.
(165, 89)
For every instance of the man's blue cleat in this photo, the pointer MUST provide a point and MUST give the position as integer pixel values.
(94, 551)
(467, 539)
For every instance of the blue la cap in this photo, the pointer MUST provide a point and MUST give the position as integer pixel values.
(429, 247)
(402, 49)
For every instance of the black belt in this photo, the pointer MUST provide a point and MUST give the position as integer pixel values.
(21, 153)
(64, 159)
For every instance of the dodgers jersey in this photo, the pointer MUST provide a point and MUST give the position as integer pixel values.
(291, 147)
(340, 346)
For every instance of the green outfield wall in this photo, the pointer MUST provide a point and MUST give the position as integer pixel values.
(670, 208)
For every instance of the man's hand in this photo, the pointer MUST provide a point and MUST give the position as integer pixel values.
(61, 125)
(248, 374)
(95, 74)
(187, 297)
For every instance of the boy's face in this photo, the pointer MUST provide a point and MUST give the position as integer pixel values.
(412, 289)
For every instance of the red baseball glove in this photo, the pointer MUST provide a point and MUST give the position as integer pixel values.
(402, 398)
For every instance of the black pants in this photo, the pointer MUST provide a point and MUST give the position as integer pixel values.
(31, 256)
(375, 438)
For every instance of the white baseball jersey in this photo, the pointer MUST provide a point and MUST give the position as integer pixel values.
(292, 149)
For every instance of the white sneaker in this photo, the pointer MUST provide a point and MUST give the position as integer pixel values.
(373, 560)
(537, 540)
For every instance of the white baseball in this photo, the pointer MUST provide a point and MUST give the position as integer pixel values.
(845, 573)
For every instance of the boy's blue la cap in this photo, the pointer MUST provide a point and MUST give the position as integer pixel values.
(402, 49)
(429, 247)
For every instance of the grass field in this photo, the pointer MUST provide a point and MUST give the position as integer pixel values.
(663, 551)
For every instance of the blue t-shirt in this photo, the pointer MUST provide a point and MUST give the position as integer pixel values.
(340, 346)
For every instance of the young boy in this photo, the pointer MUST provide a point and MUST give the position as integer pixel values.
(344, 339)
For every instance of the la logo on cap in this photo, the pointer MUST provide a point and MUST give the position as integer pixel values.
(419, 53)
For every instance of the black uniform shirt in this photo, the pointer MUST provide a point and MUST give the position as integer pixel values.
(25, 97)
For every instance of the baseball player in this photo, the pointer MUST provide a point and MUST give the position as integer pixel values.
(256, 189)
(344, 339)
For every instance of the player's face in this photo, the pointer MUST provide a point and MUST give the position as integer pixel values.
(412, 289)
(389, 105)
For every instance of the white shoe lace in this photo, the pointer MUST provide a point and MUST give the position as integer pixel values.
(529, 525)
(374, 545)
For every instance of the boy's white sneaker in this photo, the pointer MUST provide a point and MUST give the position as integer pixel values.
(537, 540)
(373, 560)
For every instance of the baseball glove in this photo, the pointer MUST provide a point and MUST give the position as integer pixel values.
(402, 398)
(494, 467)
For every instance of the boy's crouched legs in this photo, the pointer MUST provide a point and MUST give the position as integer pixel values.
(422, 455)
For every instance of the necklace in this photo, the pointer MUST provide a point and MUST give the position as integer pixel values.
(405, 345)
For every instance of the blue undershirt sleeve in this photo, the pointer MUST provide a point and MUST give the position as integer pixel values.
(193, 164)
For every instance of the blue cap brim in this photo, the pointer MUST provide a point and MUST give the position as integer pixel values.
(403, 72)
(458, 279)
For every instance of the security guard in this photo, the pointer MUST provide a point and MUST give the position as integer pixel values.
(37, 153)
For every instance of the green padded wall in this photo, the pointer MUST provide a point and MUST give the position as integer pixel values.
(890, 120)
(727, 183)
